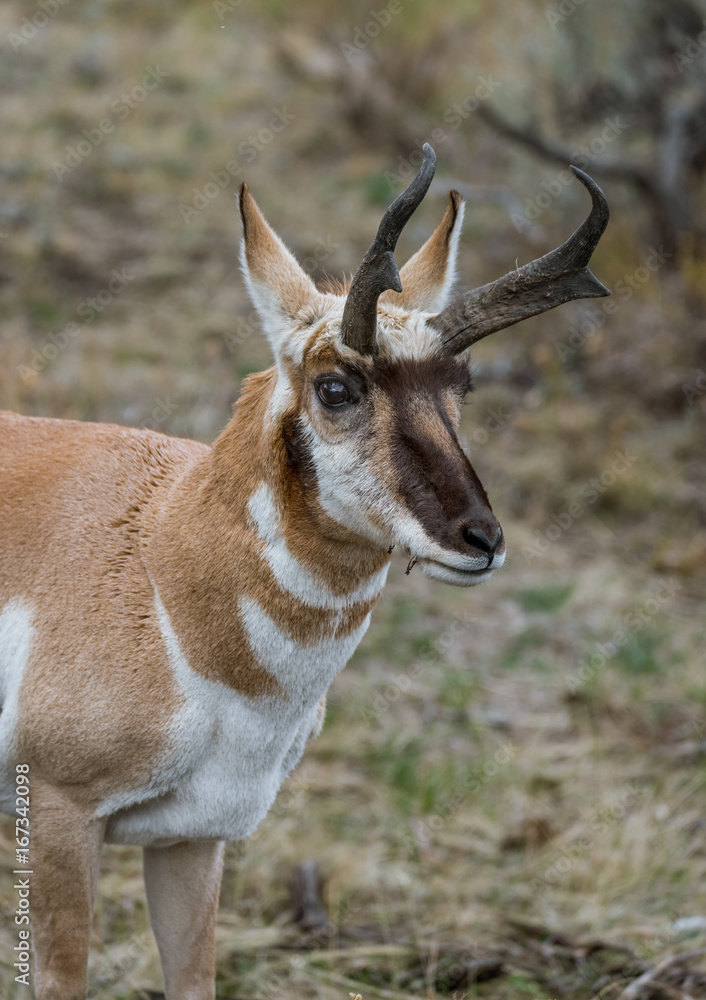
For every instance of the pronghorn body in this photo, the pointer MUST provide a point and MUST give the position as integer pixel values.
(171, 615)
(200, 713)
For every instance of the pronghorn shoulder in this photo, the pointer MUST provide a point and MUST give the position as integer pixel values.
(72, 443)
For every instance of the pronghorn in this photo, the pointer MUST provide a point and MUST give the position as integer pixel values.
(172, 614)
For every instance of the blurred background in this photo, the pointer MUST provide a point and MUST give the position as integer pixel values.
(508, 797)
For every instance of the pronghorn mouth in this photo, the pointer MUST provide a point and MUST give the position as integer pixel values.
(451, 574)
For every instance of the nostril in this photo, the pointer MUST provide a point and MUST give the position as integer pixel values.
(479, 540)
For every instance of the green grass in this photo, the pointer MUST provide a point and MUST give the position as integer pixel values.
(457, 689)
(525, 642)
(639, 655)
(543, 598)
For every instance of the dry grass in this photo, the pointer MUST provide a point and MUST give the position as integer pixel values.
(473, 796)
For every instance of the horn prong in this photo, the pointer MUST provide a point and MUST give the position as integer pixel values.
(559, 276)
(378, 270)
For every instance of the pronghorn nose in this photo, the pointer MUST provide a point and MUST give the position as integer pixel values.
(480, 538)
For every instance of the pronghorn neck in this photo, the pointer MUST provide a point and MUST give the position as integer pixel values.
(236, 549)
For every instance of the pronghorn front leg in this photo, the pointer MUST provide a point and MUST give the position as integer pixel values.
(65, 844)
(183, 882)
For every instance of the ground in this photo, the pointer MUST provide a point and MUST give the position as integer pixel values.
(511, 775)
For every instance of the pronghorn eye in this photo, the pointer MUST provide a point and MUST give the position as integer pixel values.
(333, 392)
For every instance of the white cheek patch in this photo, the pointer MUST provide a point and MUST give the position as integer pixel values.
(347, 489)
(16, 634)
(291, 576)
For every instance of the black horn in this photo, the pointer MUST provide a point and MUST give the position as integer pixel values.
(560, 276)
(378, 270)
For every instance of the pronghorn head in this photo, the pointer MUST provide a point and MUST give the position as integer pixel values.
(371, 378)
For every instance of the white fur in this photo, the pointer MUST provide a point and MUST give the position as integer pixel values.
(16, 634)
(305, 672)
(350, 491)
(347, 488)
(403, 335)
(282, 399)
(458, 577)
(444, 294)
(230, 752)
(414, 539)
(289, 573)
(271, 305)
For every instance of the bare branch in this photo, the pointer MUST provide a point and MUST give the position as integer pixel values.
(558, 152)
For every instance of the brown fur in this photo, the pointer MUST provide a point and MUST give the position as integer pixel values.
(433, 476)
(182, 883)
(266, 256)
(99, 657)
(66, 842)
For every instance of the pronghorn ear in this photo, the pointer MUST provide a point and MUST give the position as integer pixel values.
(278, 286)
(428, 276)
